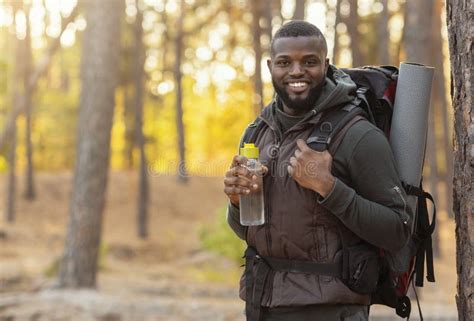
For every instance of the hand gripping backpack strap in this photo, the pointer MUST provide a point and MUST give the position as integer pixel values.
(329, 132)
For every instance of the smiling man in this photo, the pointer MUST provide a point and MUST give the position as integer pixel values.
(317, 204)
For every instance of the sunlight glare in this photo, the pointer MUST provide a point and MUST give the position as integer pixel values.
(54, 27)
(249, 66)
(202, 80)
(365, 7)
(81, 24)
(172, 7)
(204, 54)
(165, 87)
(66, 6)
(6, 16)
(287, 8)
(37, 15)
(20, 25)
(316, 14)
(68, 38)
(215, 41)
(222, 74)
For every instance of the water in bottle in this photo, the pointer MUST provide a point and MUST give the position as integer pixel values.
(251, 205)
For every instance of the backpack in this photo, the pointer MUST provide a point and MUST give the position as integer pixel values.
(376, 87)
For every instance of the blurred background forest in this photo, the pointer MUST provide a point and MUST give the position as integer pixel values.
(187, 76)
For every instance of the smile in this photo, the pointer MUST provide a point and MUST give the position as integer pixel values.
(297, 84)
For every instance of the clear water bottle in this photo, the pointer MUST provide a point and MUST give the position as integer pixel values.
(251, 205)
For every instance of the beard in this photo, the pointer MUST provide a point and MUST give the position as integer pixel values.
(299, 105)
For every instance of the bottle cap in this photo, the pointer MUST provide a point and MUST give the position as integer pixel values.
(249, 151)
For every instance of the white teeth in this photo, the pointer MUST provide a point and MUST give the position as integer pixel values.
(297, 84)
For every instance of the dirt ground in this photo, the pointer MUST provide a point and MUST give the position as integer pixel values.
(169, 276)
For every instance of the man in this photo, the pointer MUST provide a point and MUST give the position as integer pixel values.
(315, 202)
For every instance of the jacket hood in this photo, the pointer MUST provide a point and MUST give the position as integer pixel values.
(339, 89)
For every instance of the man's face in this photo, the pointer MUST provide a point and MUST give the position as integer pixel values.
(298, 67)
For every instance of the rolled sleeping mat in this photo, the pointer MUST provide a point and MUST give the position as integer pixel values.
(410, 123)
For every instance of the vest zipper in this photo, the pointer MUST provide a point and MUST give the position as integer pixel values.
(272, 170)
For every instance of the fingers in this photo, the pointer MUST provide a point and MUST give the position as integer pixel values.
(302, 145)
(240, 182)
(239, 171)
(235, 190)
(239, 160)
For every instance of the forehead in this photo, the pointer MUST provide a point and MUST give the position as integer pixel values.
(298, 45)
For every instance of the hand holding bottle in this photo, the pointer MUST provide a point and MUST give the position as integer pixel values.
(244, 185)
(240, 180)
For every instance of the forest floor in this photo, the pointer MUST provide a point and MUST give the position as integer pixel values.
(169, 276)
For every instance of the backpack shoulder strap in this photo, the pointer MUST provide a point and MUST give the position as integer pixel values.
(251, 132)
(328, 133)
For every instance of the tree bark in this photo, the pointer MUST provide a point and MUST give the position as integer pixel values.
(256, 8)
(142, 217)
(11, 183)
(352, 28)
(178, 75)
(335, 51)
(383, 36)
(443, 114)
(460, 17)
(300, 6)
(99, 75)
(30, 192)
(16, 93)
(417, 30)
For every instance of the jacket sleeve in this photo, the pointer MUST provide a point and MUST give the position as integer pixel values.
(233, 219)
(375, 205)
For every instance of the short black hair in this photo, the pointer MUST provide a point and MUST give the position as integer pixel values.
(298, 28)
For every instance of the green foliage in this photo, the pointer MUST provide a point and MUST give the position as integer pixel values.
(219, 238)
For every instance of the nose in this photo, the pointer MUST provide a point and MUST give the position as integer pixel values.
(296, 69)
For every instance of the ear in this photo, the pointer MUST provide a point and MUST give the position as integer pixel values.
(326, 62)
(269, 65)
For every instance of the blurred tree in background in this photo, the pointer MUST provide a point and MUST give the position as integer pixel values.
(99, 75)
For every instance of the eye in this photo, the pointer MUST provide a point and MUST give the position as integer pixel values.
(282, 63)
(311, 62)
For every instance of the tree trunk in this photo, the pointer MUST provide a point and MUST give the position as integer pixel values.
(16, 93)
(383, 36)
(335, 51)
(300, 6)
(460, 17)
(99, 75)
(128, 116)
(443, 114)
(11, 183)
(178, 75)
(142, 217)
(256, 7)
(30, 192)
(352, 28)
(417, 30)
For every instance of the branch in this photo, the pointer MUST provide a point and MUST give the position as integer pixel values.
(42, 67)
